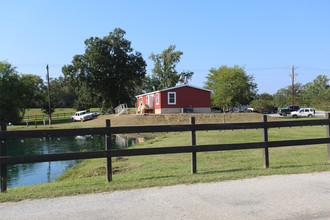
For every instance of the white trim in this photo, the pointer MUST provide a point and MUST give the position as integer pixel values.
(157, 98)
(168, 98)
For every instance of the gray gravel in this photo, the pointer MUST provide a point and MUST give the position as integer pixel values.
(301, 196)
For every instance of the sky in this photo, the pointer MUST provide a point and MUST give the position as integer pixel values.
(267, 38)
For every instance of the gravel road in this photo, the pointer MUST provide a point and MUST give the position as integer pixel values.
(299, 196)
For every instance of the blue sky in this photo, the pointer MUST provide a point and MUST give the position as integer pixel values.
(266, 37)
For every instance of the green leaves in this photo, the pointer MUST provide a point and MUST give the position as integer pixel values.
(109, 68)
(164, 72)
(230, 85)
(11, 93)
(313, 94)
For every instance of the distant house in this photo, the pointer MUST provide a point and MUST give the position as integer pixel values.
(178, 99)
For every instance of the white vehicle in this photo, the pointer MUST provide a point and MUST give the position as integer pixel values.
(303, 112)
(250, 109)
(82, 116)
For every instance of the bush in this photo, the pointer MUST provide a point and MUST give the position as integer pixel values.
(262, 105)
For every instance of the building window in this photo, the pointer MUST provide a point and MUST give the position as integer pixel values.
(172, 98)
(140, 100)
(147, 102)
(157, 98)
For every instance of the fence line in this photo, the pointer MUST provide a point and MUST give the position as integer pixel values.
(41, 117)
(193, 148)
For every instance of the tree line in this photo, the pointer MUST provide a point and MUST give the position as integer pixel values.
(232, 86)
(111, 72)
(314, 94)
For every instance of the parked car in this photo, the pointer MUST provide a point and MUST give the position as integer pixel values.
(274, 110)
(250, 109)
(82, 116)
(216, 110)
(287, 110)
(95, 114)
(303, 112)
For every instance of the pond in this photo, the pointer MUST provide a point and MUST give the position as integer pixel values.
(36, 173)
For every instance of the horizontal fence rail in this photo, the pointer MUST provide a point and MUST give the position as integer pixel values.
(193, 148)
(8, 160)
(157, 128)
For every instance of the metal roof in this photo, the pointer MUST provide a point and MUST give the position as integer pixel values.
(175, 87)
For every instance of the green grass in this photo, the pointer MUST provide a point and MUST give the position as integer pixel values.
(60, 115)
(163, 170)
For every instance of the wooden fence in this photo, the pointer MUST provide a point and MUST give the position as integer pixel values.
(108, 153)
(32, 118)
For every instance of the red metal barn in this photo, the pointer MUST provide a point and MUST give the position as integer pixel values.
(178, 99)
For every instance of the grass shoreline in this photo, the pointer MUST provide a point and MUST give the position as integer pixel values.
(164, 170)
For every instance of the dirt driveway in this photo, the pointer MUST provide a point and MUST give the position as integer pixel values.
(299, 196)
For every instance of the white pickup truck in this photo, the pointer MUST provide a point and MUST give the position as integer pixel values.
(303, 112)
(82, 116)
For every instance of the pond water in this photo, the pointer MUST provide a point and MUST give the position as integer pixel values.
(36, 173)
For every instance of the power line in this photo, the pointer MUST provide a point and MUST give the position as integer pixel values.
(266, 68)
(313, 68)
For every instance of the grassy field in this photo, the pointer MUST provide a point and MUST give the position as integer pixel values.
(37, 111)
(61, 115)
(163, 170)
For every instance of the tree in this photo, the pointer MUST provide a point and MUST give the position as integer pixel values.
(61, 93)
(164, 72)
(318, 86)
(322, 102)
(230, 86)
(45, 108)
(34, 91)
(151, 83)
(266, 96)
(283, 96)
(11, 94)
(262, 105)
(317, 92)
(109, 68)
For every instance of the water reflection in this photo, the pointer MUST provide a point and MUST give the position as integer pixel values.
(124, 141)
(36, 173)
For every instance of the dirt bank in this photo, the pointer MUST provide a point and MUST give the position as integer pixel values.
(171, 119)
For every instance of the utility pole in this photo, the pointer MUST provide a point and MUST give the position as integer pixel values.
(293, 75)
(49, 109)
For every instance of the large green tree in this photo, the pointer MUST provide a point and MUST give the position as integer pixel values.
(316, 93)
(164, 72)
(109, 69)
(11, 94)
(62, 94)
(34, 91)
(230, 86)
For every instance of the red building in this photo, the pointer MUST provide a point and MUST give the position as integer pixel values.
(183, 98)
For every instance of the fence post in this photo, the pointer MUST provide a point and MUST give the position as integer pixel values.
(3, 167)
(328, 135)
(108, 147)
(193, 143)
(265, 140)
